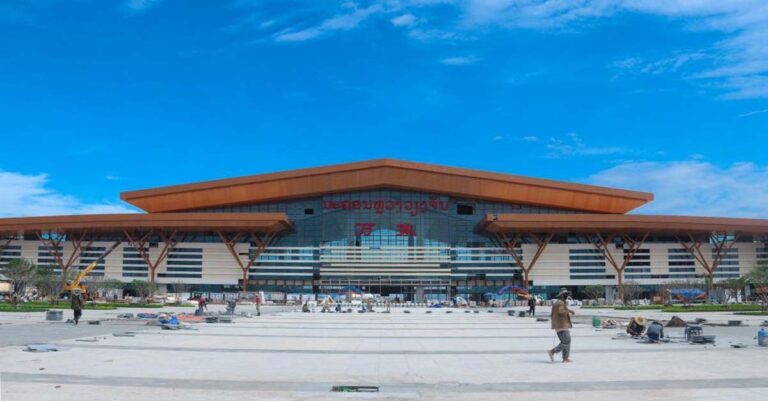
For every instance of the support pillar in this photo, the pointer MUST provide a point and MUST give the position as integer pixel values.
(139, 242)
(509, 245)
(721, 246)
(603, 245)
(262, 243)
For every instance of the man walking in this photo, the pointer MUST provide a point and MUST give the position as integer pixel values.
(77, 306)
(561, 323)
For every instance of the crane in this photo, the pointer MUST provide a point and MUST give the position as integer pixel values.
(76, 284)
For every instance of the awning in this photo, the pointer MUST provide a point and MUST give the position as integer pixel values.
(185, 222)
(577, 222)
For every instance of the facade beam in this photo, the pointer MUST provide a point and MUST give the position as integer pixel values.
(262, 242)
(139, 242)
(540, 240)
(52, 244)
(53, 240)
(722, 244)
(5, 244)
(629, 247)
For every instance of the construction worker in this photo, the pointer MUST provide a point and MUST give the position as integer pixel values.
(531, 305)
(77, 306)
(636, 326)
(655, 332)
(561, 323)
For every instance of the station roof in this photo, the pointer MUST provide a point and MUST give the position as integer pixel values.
(188, 222)
(386, 173)
(622, 223)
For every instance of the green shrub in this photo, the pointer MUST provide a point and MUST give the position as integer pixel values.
(751, 313)
(712, 308)
(22, 308)
(625, 307)
(137, 305)
(639, 307)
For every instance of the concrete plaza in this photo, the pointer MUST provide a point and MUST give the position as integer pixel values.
(287, 355)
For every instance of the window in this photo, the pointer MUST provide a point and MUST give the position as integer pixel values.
(465, 209)
(309, 211)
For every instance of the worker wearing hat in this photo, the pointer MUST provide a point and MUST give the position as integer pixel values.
(636, 326)
(561, 323)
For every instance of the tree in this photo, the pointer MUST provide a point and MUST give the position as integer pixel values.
(686, 284)
(19, 272)
(143, 288)
(179, 288)
(631, 290)
(98, 285)
(594, 291)
(730, 288)
(758, 277)
(114, 284)
(49, 283)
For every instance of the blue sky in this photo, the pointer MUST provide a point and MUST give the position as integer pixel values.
(100, 96)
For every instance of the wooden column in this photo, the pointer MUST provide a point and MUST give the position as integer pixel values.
(140, 241)
(262, 242)
(603, 245)
(5, 244)
(509, 245)
(77, 247)
(52, 245)
(721, 247)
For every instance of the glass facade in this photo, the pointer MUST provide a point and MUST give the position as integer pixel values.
(388, 217)
(386, 237)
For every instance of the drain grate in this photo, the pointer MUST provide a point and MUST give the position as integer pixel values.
(355, 389)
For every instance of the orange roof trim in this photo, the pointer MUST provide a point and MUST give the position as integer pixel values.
(190, 222)
(511, 223)
(387, 173)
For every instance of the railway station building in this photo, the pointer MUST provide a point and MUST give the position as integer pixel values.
(389, 227)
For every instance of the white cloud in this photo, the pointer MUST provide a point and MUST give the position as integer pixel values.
(694, 187)
(531, 138)
(431, 35)
(404, 20)
(671, 64)
(141, 5)
(628, 63)
(112, 177)
(28, 195)
(498, 138)
(737, 63)
(573, 145)
(459, 61)
(341, 22)
(752, 113)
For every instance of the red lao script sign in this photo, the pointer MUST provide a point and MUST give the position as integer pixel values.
(411, 207)
(405, 230)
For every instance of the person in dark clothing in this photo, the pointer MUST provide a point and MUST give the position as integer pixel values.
(231, 305)
(532, 306)
(636, 326)
(655, 332)
(77, 306)
(202, 305)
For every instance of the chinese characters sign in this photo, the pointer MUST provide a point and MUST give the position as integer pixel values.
(366, 229)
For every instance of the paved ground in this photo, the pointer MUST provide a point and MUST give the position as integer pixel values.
(298, 356)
